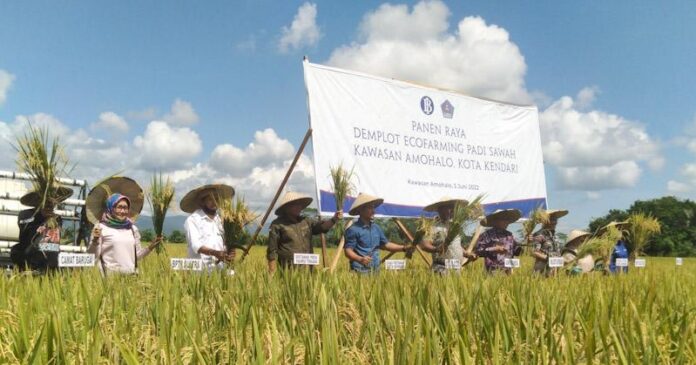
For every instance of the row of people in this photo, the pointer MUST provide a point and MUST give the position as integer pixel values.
(115, 239)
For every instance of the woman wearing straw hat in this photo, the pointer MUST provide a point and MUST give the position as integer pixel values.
(204, 234)
(113, 206)
(35, 229)
(434, 242)
(365, 238)
(291, 232)
(570, 253)
(546, 243)
(497, 243)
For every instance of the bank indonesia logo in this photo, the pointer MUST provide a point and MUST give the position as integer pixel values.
(427, 105)
(447, 109)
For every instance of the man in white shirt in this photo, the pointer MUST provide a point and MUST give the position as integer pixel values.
(204, 227)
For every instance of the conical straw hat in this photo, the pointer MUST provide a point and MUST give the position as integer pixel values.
(364, 199)
(33, 198)
(619, 225)
(444, 201)
(509, 215)
(190, 202)
(557, 213)
(292, 196)
(575, 238)
(96, 200)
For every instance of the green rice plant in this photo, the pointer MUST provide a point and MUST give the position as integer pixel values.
(462, 216)
(642, 228)
(342, 185)
(424, 229)
(160, 197)
(235, 216)
(44, 160)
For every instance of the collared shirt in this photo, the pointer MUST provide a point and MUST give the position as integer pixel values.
(287, 237)
(201, 230)
(491, 238)
(455, 250)
(546, 242)
(118, 250)
(365, 239)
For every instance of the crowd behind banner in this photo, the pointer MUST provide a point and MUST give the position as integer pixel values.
(115, 240)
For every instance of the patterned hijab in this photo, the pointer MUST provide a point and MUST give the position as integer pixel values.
(109, 216)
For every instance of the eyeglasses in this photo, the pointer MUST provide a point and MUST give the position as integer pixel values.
(122, 207)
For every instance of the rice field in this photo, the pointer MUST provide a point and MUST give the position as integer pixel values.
(647, 316)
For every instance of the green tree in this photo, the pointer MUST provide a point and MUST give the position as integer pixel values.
(176, 237)
(147, 235)
(678, 220)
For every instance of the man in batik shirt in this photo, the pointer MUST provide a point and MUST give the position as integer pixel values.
(497, 243)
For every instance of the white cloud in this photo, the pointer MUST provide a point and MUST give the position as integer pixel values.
(593, 195)
(678, 188)
(6, 80)
(266, 149)
(148, 113)
(112, 122)
(594, 150)
(303, 32)
(163, 147)
(181, 114)
(477, 58)
(586, 97)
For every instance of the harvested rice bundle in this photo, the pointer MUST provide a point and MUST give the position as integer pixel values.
(160, 196)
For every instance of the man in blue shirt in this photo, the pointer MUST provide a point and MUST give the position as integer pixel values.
(365, 238)
(620, 252)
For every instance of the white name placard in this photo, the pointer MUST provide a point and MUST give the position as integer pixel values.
(49, 247)
(639, 263)
(512, 263)
(395, 264)
(453, 264)
(679, 261)
(305, 259)
(556, 261)
(621, 262)
(187, 264)
(75, 259)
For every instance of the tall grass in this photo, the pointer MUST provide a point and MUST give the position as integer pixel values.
(297, 317)
(160, 197)
(44, 160)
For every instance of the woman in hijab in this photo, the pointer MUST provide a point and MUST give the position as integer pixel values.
(116, 240)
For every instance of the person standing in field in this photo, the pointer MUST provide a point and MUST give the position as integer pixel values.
(36, 235)
(497, 243)
(546, 244)
(620, 250)
(581, 265)
(364, 238)
(204, 232)
(115, 240)
(291, 232)
(434, 242)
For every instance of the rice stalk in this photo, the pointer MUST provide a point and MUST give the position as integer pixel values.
(642, 228)
(235, 216)
(537, 216)
(601, 247)
(44, 160)
(342, 185)
(160, 196)
(462, 216)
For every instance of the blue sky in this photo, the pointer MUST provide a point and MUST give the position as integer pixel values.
(69, 63)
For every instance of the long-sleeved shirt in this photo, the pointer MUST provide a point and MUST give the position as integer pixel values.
(118, 250)
(201, 230)
(620, 252)
(491, 238)
(365, 239)
(287, 237)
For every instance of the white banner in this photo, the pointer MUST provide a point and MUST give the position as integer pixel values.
(411, 144)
